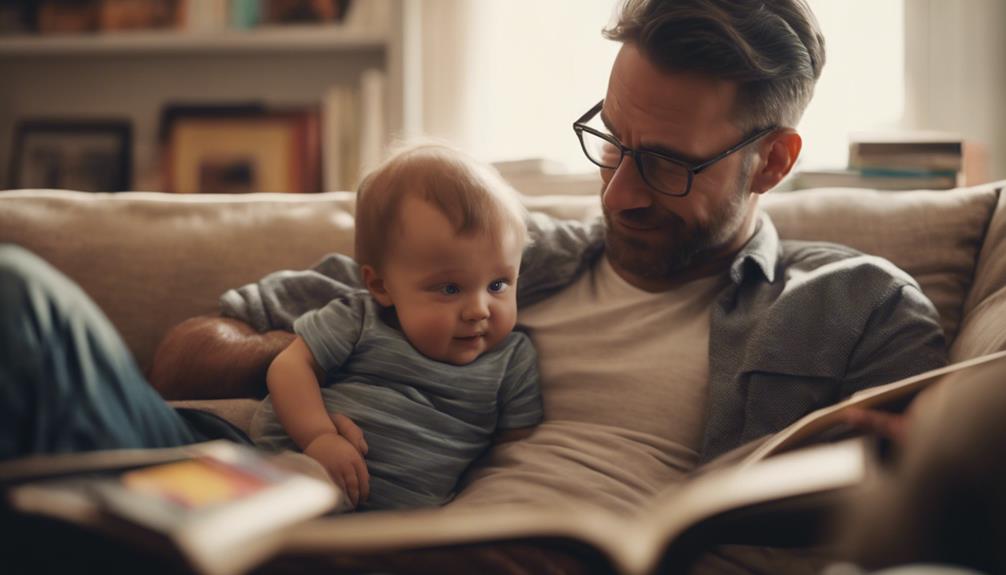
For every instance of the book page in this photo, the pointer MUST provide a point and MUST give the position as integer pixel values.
(498, 535)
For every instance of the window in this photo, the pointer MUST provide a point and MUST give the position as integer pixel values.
(530, 67)
(523, 70)
(862, 87)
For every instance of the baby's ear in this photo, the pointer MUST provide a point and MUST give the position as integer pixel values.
(375, 285)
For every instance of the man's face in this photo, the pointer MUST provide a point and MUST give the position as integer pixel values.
(651, 237)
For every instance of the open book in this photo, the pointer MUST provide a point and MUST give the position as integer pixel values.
(462, 541)
(736, 503)
(218, 505)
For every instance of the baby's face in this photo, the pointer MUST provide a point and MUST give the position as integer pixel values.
(455, 296)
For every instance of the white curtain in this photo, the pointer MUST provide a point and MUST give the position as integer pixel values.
(956, 72)
(862, 87)
(506, 78)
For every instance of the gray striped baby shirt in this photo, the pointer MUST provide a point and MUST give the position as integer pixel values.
(424, 421)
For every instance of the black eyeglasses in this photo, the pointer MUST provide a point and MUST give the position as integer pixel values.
(664, 173)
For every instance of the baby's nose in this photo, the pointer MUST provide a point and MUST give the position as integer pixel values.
(476, 310)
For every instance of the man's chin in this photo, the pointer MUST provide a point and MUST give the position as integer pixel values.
(646, 259)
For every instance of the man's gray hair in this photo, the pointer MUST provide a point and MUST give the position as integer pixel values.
(772, 48)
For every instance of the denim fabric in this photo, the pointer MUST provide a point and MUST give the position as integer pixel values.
(67, 380)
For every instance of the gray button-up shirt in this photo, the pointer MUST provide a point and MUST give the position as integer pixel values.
(800, 326)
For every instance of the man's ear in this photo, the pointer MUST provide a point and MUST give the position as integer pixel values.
(782, 148)
(375, 285)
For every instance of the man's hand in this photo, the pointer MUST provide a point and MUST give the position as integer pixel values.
(891, 426)
(344, 464)
(210, 357)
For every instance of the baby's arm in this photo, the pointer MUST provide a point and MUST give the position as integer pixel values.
(293, 386)
(520, 395)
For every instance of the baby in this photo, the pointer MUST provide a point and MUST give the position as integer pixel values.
(424, 359)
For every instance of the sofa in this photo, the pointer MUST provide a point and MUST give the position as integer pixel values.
(152, 260)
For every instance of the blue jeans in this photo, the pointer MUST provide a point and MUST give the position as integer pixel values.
(67, 381)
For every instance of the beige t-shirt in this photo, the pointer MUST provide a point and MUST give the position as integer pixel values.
(623, 377)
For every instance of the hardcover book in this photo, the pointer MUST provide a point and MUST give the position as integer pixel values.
(219, 505)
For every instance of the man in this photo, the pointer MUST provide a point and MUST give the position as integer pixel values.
(678, 328)
(682, 327)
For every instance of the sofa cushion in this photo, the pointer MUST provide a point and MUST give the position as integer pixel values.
(983, 329)
(152, 260)
(933, 235)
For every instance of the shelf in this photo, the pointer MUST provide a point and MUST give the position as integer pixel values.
(299, 38)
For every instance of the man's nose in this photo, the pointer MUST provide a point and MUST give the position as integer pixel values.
(476, 308)
(626, 189)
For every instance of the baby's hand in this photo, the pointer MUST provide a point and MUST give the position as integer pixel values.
(344, 464)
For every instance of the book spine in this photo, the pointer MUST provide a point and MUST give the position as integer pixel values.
(312, 160)
(350, 144)
(340, 139)
(245, 14)
(891, 172)
(331, 131)
(926, 163)
(372, 113)
(859, 179)
(869, 148)
(206, 15)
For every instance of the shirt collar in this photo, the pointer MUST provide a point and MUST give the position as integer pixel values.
(762, 250)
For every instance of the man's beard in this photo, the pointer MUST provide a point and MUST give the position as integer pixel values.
(678, 247)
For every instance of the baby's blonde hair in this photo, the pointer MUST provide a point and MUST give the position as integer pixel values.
(471, 195)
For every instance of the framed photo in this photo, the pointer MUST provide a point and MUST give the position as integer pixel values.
(84, 155)
(241, 149)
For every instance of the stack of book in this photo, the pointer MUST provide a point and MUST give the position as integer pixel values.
(899, 161)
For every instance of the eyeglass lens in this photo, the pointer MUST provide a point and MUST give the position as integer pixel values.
(665, 176)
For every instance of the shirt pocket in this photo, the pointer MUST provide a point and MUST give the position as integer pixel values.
(779, 387)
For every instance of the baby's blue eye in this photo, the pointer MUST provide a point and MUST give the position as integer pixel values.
(450, 289)
(498, 286)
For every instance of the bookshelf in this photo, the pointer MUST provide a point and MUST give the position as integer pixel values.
(267, 38)
(132, 74)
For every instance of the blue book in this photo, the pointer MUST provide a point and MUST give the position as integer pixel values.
(246, 14)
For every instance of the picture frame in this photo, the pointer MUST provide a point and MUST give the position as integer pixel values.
(240, 149)
(92, 155)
